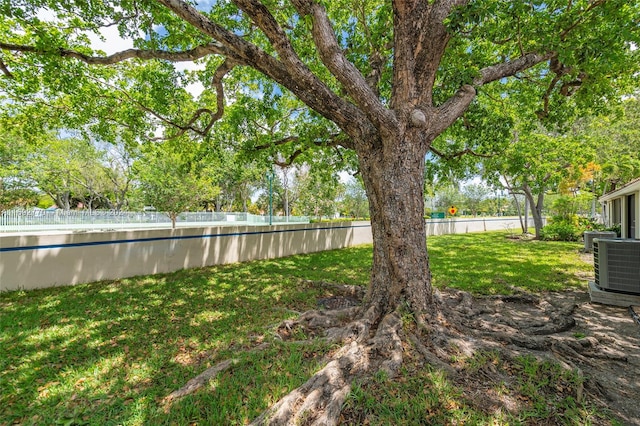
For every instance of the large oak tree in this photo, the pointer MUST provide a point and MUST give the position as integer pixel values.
(385, 78)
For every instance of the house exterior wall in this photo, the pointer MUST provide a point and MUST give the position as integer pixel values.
(616, 207)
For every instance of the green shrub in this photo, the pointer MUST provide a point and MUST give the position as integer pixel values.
(569, 227)
(589, 224)
(617, 228)
(564, 207)
(563, 230)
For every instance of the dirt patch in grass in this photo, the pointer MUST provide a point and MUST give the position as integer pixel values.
(619, 381)
(488, 381)
(609, 358)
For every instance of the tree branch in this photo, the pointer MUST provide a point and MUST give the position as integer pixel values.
(184, 56)
(466, 151)
(216, 81)
(332, 141)
(218, 75)
(560, 70)
(545, 98)
(348, 75)
(5, 70)
(580, 19)
(509, 187)
(291, 74)
(130, 98)
(511, 68)
(263, 18)
(432, 43)
(453, 108)
(278, 142)
(376, 58)
(289, 161)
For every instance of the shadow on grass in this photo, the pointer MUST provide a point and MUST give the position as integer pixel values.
(108, 352)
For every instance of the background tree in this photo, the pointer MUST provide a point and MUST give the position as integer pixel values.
(384, 79)
(318, 193)
(617, 136)
(537, 162)
(497, 202)
(171, 181)
(473, 195)
(448, 196)
(15, 186)
(286, 177)
(119, 160)
(69, 170)
(354, 199)
(92, 181)
(241, 182)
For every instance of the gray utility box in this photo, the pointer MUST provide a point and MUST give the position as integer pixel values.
(590, 235)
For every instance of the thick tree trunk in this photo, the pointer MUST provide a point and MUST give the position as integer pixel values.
(394, 183)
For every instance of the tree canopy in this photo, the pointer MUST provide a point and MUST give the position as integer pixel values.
(394, 82)
(337, 59)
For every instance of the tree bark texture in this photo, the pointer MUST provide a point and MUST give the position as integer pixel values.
(394, 183)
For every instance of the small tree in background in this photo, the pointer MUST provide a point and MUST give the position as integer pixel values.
(317, 193)
(171, 182)
(354, 199)
(473, 196)
(15, 188)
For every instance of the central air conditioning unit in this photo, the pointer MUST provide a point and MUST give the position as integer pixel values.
(589, 236)
(617, 265)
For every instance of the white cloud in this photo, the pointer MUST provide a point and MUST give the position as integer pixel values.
(111, 42)
(195, 88)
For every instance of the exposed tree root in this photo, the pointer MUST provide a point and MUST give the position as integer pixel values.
(430, 357)
(197, 382)
(511, 326)
(322, 396)
(526, 323)
(319, 401)
(203, 378)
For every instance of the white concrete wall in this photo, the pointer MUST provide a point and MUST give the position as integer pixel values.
(46, 260)
(479, 224)
(53, 259)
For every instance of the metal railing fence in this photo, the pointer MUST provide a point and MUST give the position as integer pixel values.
(17, 220)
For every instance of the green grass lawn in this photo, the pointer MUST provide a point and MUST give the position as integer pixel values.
(489, 263)
(109, 352)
